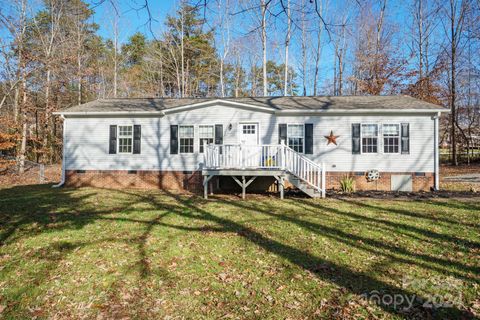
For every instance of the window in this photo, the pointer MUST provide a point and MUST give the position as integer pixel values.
(185, 141)
(205, 134)
(391, 138)
(295, 137)
(125, 138)
(249, 128)
(369, 138)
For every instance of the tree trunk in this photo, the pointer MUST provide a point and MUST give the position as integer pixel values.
(317, 59)
(287, 43)
(452, 85)
(182, 54)
(23, 145)
(23, 76)
(304, 51)
(48, 115)
(264, 47)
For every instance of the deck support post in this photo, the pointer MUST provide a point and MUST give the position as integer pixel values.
(244, 184)
(243, 187)
(281, 186)
(206, 179)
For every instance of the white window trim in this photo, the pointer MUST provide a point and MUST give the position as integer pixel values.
(303, 138)
(380, 144)
(399, 138)
(194, 130)
(118, 138)
(379, 134)
(198, 136)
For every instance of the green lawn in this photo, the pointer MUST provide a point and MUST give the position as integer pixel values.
(83, 253)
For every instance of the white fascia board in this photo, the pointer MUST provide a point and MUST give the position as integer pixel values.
(111, 113)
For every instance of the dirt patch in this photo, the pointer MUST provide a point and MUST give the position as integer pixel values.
(448, 170)
(31, 176)
(448, 194)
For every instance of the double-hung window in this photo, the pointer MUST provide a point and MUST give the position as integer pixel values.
(295, 137)
(125, 139)
(391, 138)
(205, 134)
(369, 138)
(186, 139)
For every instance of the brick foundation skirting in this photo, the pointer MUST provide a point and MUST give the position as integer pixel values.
(192, 181)
(420, 182)
(114, 179)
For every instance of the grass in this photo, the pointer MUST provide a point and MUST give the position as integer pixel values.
(84, 253)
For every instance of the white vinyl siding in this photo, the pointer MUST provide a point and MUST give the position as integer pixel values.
(86, 144)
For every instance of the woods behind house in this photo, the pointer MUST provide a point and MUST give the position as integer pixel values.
(53, 55)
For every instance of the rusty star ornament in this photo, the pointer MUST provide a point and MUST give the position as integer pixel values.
(331, 138)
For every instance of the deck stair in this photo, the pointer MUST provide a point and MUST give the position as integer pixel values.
(303, 186)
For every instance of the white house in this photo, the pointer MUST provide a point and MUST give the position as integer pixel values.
(384, 142)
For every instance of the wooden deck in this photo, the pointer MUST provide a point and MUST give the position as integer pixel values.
(244, 177)
(244, 163)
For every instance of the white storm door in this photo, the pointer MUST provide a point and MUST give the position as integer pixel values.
(251, 151)
(249, 134)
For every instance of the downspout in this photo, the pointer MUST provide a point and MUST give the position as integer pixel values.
(436, 151)
(62, 179)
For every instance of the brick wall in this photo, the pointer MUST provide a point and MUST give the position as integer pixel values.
(419, 183)
(169, 180)
(192, 181)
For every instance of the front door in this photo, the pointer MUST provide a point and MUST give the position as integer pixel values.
(249, 134)
(251, 152)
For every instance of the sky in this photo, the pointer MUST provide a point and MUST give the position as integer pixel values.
(133, 17)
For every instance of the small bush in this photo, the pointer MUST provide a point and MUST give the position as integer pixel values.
(347, 184)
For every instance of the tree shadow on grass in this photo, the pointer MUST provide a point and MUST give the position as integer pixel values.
(356, 282)
(373, 246)
(45, 202)
(395, 226)
(419, 215)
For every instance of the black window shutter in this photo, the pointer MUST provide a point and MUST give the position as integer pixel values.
(137, 138)
(405, 138)
(356, 138)
(112, 147)
(282, 133)
(308, 138)
(173, 139)
(218, 134)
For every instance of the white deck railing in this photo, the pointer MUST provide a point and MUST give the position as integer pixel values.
(281, 157)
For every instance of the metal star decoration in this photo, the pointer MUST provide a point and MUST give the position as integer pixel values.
(331, 138)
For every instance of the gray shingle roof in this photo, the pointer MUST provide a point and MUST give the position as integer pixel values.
(275, 103)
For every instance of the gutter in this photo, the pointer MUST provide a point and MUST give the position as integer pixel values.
(356, 111)
(62, 179)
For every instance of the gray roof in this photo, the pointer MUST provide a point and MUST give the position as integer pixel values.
(319, 103)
